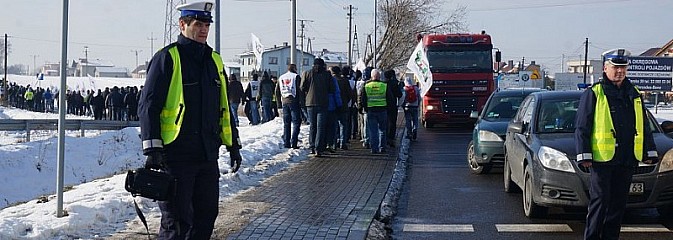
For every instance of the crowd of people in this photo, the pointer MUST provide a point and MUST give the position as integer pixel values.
(339, 104)
(116, 103)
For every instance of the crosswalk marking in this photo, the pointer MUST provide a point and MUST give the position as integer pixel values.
(448, 228)
(533, 228)
(645, 228)
(438, 228)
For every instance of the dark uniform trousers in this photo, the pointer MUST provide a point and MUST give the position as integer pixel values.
(200, 178)
(609, 188)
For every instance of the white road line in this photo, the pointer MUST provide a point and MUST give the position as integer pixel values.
(438, 228)
(645, 228)
(533, 228)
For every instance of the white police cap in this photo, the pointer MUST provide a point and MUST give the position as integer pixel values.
(617, 56)
(197, 10)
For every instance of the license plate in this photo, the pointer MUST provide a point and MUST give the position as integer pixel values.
(636, 189)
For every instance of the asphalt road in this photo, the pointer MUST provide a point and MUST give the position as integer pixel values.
(441, 199)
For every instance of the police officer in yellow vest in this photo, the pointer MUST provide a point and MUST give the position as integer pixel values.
(612, 137)
(184, 119)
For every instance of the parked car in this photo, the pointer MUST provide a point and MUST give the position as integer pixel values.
(486, 148)
(541, 159)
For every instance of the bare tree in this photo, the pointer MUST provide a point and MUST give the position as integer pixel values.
(403, 20)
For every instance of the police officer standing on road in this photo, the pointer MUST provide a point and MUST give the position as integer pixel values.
(184, 119)
(612, 136)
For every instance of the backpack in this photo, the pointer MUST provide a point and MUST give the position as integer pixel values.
(410, 92)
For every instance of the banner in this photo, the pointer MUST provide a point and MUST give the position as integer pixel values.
(419, 65)
(258, 50)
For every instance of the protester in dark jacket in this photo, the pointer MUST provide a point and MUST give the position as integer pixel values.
(396, 88)
(266, 89)
(317, 84)
(235, 95)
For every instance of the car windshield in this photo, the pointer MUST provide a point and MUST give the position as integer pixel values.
(557, 116)
(502, 107)
(449, 61)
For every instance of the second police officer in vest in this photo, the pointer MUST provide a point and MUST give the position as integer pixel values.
(373, 99)
(184, 119)
(612, 136)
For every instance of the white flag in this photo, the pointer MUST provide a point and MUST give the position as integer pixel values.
(419, 65)
(257, 49)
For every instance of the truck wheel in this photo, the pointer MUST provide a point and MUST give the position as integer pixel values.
(475, 168)
(426, 124)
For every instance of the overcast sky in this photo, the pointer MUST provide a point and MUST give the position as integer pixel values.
(539, 30)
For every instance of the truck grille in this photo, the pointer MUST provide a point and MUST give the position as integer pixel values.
(459, 105)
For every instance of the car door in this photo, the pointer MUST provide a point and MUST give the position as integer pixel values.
(520, 140)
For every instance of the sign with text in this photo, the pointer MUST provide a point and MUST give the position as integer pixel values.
(651, 73)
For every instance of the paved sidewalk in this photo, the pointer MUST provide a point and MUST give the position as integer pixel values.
(333, 197)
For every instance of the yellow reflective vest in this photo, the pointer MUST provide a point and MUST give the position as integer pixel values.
(603, 135)
(171, 114)
(376, 94)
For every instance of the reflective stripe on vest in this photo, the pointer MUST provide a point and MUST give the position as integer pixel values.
(603, 135)
(376, 94)
(172, 114)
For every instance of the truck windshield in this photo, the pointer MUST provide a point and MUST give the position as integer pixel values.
(450, 61)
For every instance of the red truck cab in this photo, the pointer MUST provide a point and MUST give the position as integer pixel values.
(462, 72)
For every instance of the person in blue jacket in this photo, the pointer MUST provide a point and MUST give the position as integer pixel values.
(184, 119)
(612, 135)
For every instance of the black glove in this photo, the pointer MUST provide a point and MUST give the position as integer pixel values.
(235, 159)
(156, 159)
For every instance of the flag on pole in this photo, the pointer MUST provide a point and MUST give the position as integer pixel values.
(257, 49)
(418, 64)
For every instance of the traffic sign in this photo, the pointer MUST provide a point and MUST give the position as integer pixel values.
(535, 74)
(524, 75)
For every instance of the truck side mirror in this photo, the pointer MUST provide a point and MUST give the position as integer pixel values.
(498, 56)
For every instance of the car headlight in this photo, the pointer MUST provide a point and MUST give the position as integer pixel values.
(430, 107)
(555, 159)
(488, 136)
(666, 162)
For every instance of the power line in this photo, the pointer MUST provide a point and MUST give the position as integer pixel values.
(546, 6)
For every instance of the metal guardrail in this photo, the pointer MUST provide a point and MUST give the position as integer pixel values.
(72, 125)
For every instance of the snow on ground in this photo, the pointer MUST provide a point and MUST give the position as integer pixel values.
(95, 168)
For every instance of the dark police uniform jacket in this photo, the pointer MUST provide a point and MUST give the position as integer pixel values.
(199, 138)
(620, 101)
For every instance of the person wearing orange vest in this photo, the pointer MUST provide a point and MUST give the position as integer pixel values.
(612, 136)
(184, 120)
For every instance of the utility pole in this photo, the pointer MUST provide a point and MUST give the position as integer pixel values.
(151, 38)
(217, 26)
(586, 52)
(376, 8)
(86, 59)
(356, 45)
(4, 79)
(136, 51)
(293, 33)
(301, 38)
(350, 9)
(34, 65)
(563, 59)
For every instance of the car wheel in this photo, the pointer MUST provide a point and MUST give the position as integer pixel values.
(665, 212)
(475, 168)
(530, 208)
(510, 186)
